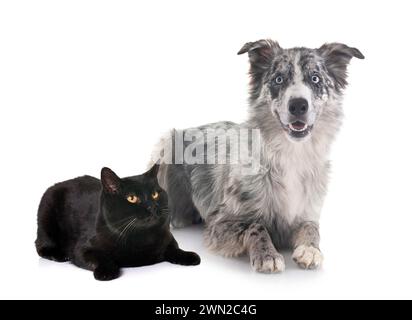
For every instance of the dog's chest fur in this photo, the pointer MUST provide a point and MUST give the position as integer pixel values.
(294, 200)
(293, 168)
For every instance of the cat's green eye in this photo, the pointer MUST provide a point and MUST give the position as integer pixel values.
(133, 199)
(155, 195)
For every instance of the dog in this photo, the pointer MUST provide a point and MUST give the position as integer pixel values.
(295, 112)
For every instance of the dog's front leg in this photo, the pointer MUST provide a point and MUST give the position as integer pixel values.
(306, 246)
(263, 255)
(231, 236)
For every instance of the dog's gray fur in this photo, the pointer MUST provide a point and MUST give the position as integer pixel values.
(279, 206)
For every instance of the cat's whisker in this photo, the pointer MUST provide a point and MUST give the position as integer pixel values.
(126, 227)
(125, 230)
(129, 229)
(127, 221)
(118, 226)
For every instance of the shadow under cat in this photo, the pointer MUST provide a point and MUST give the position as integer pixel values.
(104, 225)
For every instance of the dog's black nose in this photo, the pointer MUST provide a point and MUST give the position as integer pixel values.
(298, 106)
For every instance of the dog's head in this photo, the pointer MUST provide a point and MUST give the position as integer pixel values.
(297, 83)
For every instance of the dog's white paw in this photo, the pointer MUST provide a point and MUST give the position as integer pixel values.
(268, 263)
(308, 257)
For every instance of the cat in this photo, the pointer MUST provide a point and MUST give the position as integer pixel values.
(104, 225)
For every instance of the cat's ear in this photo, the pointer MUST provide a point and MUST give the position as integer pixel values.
(110, 181)
(152, 173)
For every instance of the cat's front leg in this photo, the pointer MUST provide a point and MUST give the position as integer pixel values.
(175, 255)
(104, 268)
(306, 246)
(106, 272)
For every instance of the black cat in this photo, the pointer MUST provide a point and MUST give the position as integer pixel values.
(108, 224)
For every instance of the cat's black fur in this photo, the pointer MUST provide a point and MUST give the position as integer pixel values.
(91, 223)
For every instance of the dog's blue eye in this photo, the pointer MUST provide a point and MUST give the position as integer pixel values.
(315, 79)
(279, 80)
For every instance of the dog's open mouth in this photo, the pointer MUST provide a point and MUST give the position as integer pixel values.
(298, 129)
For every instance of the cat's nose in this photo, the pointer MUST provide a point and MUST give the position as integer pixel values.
(151, 208)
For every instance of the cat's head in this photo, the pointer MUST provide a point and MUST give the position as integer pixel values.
(136, 201)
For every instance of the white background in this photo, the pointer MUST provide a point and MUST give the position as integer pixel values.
(86, 84)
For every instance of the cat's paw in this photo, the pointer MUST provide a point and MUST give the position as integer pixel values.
(106, 274)
(52, 253)
(308, 257)
(191, 259)
(268, 262)
(185, 258)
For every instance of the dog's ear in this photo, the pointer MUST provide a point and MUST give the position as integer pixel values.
(260, 53)
(110, 181)
(337, 57)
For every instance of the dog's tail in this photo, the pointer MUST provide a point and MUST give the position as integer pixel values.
(163, 151)
(162, 155)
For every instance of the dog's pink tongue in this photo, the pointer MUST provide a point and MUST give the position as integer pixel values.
(298, 125)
